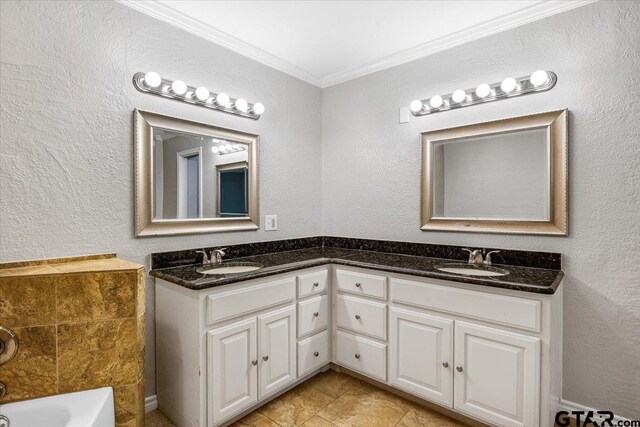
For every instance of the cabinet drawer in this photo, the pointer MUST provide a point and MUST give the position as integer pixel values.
(362, 355)
(502, 309)
(313, 315)
(247, 299)
(313, 353)
(312, 283)
(359, 315)
(362, 284)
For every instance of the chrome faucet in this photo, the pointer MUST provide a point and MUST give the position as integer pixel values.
(215, 258)
(476, 256)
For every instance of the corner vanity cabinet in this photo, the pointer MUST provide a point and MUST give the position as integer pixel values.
(490, 354)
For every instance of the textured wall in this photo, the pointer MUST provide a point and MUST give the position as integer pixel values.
(371, 169)
(66, 148)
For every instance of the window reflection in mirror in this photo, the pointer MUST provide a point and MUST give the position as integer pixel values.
(198, 176)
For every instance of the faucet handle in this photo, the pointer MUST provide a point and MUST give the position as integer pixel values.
(205, 257)
(220, 251)
(487, 257)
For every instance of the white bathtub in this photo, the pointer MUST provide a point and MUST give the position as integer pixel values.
(92, 408)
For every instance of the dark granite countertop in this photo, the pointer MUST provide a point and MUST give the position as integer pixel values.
(527, 279)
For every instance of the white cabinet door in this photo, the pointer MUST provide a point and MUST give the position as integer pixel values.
(277, 344)
(232, 369)
(420, 354)
(497, 375)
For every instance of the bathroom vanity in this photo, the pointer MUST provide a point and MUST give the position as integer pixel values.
(487, 347)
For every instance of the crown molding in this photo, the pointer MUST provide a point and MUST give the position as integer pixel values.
(506, 22)
(207, 32)
(177, 19)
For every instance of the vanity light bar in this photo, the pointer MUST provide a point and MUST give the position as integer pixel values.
(539, 81)
(152, 83)
(225, 147)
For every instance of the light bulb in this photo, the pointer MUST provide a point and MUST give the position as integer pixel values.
(436, 101)
(539, 78)
(458, 96)
(179, 87)
(258, 108)
(416, 105)
(483, 90)
(152, 79)
(222, 99)
(237, 147)
(508, 85)
(202, 93)
(241, 105)
(228, 147)
(215, 150)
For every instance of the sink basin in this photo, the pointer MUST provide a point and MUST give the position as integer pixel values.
(230, 268)
(473, 270)
(93, 408)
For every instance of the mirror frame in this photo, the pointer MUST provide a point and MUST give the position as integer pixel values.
(145, 223)
(556, 123)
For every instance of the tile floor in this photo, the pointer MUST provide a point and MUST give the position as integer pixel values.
(332, 399)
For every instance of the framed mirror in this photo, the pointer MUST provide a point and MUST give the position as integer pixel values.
(504, 176)
(193, 178)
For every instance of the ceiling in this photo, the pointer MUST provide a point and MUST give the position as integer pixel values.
(330, 42)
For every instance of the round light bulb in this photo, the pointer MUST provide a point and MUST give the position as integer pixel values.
(228, 147)
(179, 87)
(222, 99)
(483, 90)
(237, 147)
(258, 108)
(539, 78)
(416, 105)
(436, 101)
(202, 93)
(215, 150)
(458, 96)
(241, 105)
(152, 79)
(508, 85)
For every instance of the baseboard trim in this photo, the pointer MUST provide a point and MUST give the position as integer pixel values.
(150, 403)
(566, 405)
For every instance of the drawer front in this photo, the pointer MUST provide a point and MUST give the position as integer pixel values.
(362, 284)
(313, 353)
(518, 312)
(362, 355)
(244, 300)
(312, 283)
(362, 316)
(313, 315)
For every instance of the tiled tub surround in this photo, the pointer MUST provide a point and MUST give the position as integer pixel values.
(80, 326)
(483, 348)
(528, 271)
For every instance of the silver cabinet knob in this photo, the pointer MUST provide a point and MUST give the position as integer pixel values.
(316, 284)
(357, 317)
(254, 362)
(358, 285)
(459, 368)
(357, 355)
(316, 314)
(316, 354)
(265, 358)
(445, 364)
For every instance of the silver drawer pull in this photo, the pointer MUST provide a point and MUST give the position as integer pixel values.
(358, 285)
(265, 358)
(254, 362)
(445, 364)
(357, 317)
(459, 368)
(316, 314)
(316, 354)
(357, 355)
(316, 284)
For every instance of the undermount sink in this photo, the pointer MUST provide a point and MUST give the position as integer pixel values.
(230, 268)
(473, 270)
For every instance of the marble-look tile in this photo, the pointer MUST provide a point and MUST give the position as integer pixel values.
(140, 346)
(51, 261)
(96, 296)
(157, 419)
(419, 416)
(255, 419)
(27, 301)
(296, 406)
(35, 270)
(32, 373)
(97, 354)
(332, 383)
(140, 292)
(316, 421)
(126, 405)
(96, 265)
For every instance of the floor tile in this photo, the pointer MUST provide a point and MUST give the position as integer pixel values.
(296, 406)
(419, 416)
(316, 421)
(157, 419)
(332, 383)
(254, 419)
